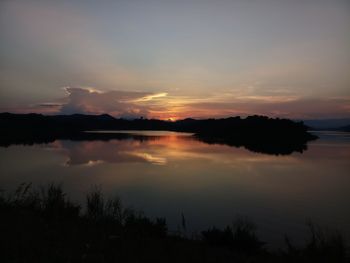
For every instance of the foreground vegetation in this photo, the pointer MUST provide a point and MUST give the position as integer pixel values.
(43, 225)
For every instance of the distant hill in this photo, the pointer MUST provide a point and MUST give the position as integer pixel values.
(345, 128)
(327, 124)
(260, 126)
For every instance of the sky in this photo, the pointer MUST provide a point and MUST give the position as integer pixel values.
(176, 59)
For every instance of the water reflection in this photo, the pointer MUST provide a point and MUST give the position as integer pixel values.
(285, 147)
(115, 151)
(156, 150)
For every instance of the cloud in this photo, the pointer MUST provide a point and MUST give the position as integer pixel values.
(133, 104)
(161, 105)
(153, 96)
(50, 105)
(296, 108)
(89, 100)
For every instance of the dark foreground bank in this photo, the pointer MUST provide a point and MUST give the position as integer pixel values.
(43, 225)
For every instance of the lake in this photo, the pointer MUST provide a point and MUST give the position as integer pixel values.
(167, 174)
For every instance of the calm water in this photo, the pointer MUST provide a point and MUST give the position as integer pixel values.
(166, 174)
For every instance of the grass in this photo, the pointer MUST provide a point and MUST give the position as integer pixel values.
(43, 225)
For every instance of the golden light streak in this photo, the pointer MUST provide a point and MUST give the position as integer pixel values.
(152, 96)
(149, 157)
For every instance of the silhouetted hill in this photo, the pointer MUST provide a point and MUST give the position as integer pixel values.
(327, 124)
(345, 128)
(256, 133)
(58, 123)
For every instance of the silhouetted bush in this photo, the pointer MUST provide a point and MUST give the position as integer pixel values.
(217, 237)
(95, 205)
(244, 236)
(241, 237)
(322, 246)
(55, 206)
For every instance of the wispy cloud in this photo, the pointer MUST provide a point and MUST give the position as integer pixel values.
(50, 105)
(152, 96)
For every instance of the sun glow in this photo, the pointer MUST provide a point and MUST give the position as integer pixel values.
(172, 118)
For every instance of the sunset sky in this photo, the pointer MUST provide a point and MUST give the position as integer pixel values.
(176, 59)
